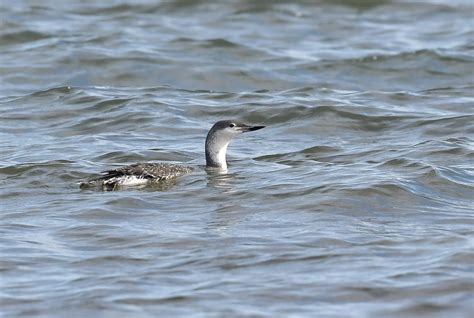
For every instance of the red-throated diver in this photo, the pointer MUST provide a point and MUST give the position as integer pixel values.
(217, 140)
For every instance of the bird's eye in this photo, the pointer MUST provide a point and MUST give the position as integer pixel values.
(232, 125)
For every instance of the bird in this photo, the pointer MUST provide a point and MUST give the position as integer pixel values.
(142, 174)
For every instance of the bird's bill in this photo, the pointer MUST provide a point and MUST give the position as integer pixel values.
(250, 128)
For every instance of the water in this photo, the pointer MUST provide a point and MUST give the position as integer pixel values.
(356, 200)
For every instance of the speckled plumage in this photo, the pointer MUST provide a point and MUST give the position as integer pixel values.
(140, 174)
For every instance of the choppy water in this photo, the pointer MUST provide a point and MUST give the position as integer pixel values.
(356, 200)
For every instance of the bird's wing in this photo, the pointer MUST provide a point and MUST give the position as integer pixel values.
(160, 171)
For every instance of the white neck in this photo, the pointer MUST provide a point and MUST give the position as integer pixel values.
(221, 157)
(216, 154)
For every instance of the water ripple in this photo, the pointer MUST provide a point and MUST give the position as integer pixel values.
(355, 200)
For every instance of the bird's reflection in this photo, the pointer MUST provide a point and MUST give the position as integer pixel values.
(222, 180)
(230, 208)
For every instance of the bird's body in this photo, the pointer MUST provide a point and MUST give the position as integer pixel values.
(140, 174)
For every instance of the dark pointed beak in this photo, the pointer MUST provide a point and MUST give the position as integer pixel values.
(250, 128)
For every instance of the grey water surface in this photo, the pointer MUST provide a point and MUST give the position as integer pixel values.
(356, 200)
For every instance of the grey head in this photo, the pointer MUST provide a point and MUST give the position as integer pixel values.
(218, 139)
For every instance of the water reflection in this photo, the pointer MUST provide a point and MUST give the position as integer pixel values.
(229, 209)
(221, 180)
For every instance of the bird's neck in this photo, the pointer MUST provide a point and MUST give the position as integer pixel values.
(215, 153)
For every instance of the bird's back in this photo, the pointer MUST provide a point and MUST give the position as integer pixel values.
(138, 174)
